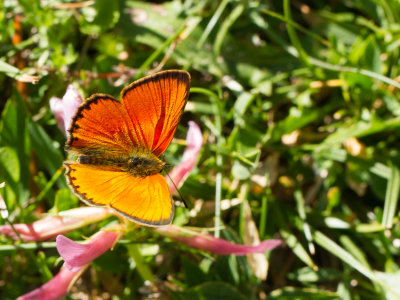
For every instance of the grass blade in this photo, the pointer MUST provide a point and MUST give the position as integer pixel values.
(392, 197)
(293, 35)
(233, 16)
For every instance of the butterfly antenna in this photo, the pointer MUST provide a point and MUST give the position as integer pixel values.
(176, 188)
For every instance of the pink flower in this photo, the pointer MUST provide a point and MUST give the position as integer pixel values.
(52, 226)
(55, 288)
(65, 108)
(76, 256)
(194, 142)
(214, 245)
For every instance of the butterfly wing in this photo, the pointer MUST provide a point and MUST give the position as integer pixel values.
(146, 117)
(150, 112)
(145, 200)
(100, 126)
(155, 104)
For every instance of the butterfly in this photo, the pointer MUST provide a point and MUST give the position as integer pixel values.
(119, 144)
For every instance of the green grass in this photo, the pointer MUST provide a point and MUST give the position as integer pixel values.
(299, 105)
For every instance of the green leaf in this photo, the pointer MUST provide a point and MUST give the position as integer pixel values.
(241, 105)
(392, 197)
(240, 170)
(16, 73)
(9, 173)
(345, 256)
(338, 137)
(41, 143)
(64, 200)
(43, 268)
(354, 250)
(13, 134)
(114, 261)
(298, 118)
(99, 17)
(193, 274)
(291, 293)
(226, 24)
(392, 280)
(307, 274)
(211, 291)
(366, 53)
(293, 34)
(227, 269)
(290, 239)
(10, 164)
(142, 267)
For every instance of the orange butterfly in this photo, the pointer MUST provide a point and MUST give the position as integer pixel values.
(119, 143)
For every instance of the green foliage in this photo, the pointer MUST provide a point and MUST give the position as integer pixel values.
(299, 105)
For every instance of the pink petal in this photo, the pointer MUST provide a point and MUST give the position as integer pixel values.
(222, 247)
(215, 245)
(71, 101)
(3, 207)
(64, 109)
(52, 226)
(180, 172)
(55, 288)
(56, 106)
(77, 255)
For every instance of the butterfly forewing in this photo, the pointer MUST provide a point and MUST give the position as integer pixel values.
(155, 105)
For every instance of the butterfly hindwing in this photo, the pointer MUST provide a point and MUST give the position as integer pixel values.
(145, 200)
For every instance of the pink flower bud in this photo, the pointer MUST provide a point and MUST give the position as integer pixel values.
(65, 108)
(52, 226)
(77, 255)
(55, 288)
(180, 172)
(212, 244)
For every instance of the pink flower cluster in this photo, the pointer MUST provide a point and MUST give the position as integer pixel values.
(78, 256)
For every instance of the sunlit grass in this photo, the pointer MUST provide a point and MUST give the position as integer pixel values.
(299, 108)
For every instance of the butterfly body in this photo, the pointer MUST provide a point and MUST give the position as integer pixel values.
(144, 163)
(141, 163)
(118, 145)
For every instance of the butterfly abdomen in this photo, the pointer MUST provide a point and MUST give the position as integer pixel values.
(96, 160)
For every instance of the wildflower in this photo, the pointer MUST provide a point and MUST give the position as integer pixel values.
(76, 256)
(52, 226)
(55, 288)
(63, 109)
(194, 142)
(212, 244)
